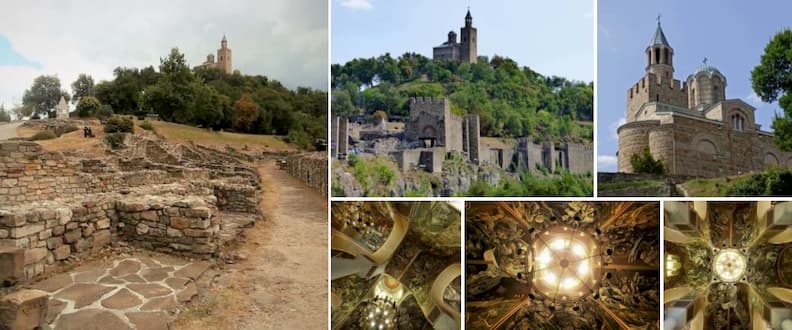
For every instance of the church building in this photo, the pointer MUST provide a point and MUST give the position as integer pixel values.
(692, 126)
(223, 58)
(464, 51)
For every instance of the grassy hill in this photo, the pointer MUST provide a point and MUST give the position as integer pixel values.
(172, 132)
(183, 133)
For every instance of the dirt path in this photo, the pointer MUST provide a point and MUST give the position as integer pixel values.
(282, 281)
(9, 130)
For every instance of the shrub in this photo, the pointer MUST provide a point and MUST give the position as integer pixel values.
(60, 130)
(119, 125)
(89, 106)
(43, 135)
(146, 125)
(644, 163)
(115, 140)
(775, 182)
(105, 112)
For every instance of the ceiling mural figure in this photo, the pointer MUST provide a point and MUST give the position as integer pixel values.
(396, 265)
(562, 265)
(730, 273)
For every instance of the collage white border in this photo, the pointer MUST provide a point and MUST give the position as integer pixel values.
(464, 200)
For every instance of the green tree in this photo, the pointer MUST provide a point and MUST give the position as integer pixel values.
(4, 115)
(82, 87)
(246, 112)
(342, 103)
(89, 106)
(644, 163)
(44, 95)
(772, 80)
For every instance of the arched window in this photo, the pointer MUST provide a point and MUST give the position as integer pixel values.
(715, 94)
(738, 122)
(657, 55)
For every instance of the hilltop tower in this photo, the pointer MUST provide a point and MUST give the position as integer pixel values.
(469, 49)
(658, 84)
(224, 56)
(466, 50)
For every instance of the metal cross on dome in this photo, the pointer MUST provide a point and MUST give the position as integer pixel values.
(705, 61)
(658, 18)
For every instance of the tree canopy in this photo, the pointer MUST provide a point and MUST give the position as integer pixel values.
(772, 81)
(206, 96)
(511, 101)
(44, 95)
(82, 87)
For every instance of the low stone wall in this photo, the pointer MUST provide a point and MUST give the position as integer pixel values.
(54, 207)
(237, 198)
(311, 168)
(608, 177)
(51, 232)
(176, 225)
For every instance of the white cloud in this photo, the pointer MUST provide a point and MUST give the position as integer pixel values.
(614, 126)
(606, 162)
(356, 4)
(754, 100)
(283, 40)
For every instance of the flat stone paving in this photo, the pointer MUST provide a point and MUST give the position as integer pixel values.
(131, 293)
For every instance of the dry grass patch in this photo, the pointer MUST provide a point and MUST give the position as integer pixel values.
(183, 133)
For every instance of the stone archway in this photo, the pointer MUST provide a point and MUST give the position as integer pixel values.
(707, 153)
(770, 159)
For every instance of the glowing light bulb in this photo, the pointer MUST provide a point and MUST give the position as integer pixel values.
(550, 278)
(569, 283)
(578, 250)
(544, 258)
(559, 244)
(583, 268)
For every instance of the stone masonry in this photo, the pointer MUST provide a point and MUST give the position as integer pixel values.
(692, 127)
(53, 207)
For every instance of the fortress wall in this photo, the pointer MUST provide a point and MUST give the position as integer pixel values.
(633, 138)
(581, 158)
(650, 89)
(474, 138)
(661, 144)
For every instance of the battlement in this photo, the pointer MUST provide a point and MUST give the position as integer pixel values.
(651, 80)
(428, 100)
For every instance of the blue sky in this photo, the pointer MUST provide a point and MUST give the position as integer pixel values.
(9, 56)
(730, 34)
(551, 37)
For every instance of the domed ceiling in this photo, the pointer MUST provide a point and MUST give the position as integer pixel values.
(396, 265)
(562, 265)
(728, 265)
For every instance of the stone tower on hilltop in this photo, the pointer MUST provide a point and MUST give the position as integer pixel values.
(469, 49)
(223, 58)
(466, 50)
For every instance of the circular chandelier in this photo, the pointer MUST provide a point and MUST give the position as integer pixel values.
(566, 264)
(729, 265)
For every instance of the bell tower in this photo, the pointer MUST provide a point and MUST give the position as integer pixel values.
(660, 56)
(469, 42)
(224, 56)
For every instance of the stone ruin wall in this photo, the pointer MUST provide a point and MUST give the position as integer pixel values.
(53, 208)
(174, 225)
(310, 168)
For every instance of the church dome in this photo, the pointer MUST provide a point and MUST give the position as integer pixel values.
(708, 69)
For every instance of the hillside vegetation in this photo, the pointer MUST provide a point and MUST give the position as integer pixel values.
(511, 101)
